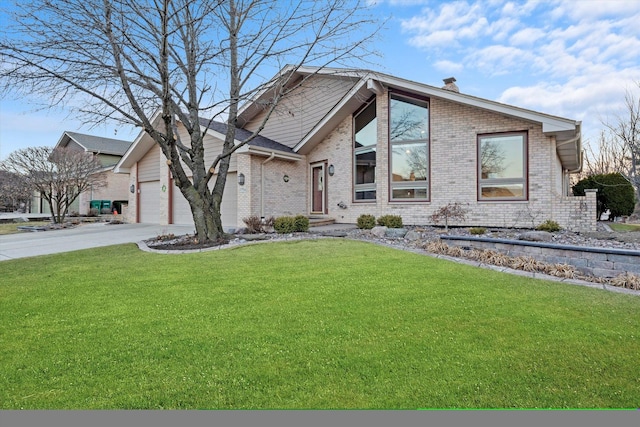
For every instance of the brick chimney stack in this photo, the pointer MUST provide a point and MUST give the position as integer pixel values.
(449, 84)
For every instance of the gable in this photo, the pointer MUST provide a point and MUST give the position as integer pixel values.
(298, 113)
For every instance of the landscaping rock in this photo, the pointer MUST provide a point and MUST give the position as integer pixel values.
(396, 232)
(334, 233)
(379, 231)
(536, 236)
(413, 235)
(253, 237)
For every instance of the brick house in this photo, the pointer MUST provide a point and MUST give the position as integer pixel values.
(352, 142)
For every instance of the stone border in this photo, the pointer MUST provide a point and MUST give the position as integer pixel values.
(534, 275)
(593, 261)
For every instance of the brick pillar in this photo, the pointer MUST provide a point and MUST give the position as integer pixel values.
(592, 209)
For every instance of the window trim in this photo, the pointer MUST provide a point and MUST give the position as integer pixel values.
(416, 100)
(368, 186)
(524, 180)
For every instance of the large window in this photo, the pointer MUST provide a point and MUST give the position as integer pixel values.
(502, 166)
(409, 148)
(364, 149)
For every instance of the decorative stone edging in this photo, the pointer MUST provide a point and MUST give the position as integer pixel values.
(599, 262)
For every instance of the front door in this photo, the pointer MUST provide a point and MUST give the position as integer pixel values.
(318, 189)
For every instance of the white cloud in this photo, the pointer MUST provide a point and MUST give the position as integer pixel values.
(589, 98)
(448, 66)
(446, 26)
(498, 59)
(527, 36)
(595, 10)
(577, 56)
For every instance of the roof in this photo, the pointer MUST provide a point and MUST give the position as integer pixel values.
(566, 131)
(263, 145)
(242, 134)
(95, 144)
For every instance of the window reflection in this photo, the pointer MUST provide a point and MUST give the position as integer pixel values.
(502, 164)
(365, 140)
(409, 137)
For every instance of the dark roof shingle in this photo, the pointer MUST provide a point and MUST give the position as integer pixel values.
(241, 134)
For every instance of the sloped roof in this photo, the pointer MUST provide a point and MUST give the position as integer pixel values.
(95, 144)
(566, 131)
(144, 142)
(242, 134)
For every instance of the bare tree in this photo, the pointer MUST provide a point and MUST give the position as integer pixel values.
(492, 158)
(608, 156)
(186, 59)
(14, 194)
(59, 175)
(625, 128)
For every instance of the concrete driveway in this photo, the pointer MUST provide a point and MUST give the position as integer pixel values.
(28, 244)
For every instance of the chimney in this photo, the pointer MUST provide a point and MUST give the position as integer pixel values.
(449, 84)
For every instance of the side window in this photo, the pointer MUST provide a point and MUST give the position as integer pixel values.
(365, 138)
(502, 166)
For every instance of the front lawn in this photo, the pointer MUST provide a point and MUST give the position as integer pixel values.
(306, 325)
(12, 227)
(621, 228)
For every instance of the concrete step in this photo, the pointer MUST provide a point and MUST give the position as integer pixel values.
(316, 221)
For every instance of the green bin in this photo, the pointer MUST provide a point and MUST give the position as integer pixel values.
(95, 204)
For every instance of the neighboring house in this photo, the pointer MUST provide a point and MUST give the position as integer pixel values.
(109, 152)
(352, 142)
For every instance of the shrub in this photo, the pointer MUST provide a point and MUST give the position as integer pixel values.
(477, 230)
(449, 212)
(267, 224)
(391, 221)
(253, 224)
(549, 225)
(615, 193)
(301, 223)
(284, 224)
(366, 222)
(93, 212)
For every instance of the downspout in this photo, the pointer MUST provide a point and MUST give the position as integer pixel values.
(271, 157)
(568, 172)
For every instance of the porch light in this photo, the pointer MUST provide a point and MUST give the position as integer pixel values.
(241, 179)
(132, 188)
(332, 170)
(286, 178)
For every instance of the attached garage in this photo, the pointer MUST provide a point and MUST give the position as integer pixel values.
(149, 187)
(181, 213)
(149, 202)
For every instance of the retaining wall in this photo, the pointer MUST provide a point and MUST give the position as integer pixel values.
(599, 262)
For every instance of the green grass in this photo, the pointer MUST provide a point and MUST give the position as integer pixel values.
(12, 228)
(306, 325)
(621, 228)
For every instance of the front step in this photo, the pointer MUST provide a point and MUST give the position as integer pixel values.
(316, 221)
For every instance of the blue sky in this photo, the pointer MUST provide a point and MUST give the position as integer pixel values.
(570, 58)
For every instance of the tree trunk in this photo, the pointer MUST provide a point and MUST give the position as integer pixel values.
(206, 219)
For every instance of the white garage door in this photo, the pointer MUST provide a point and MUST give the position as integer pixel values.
(182, 211)
(149, 202)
